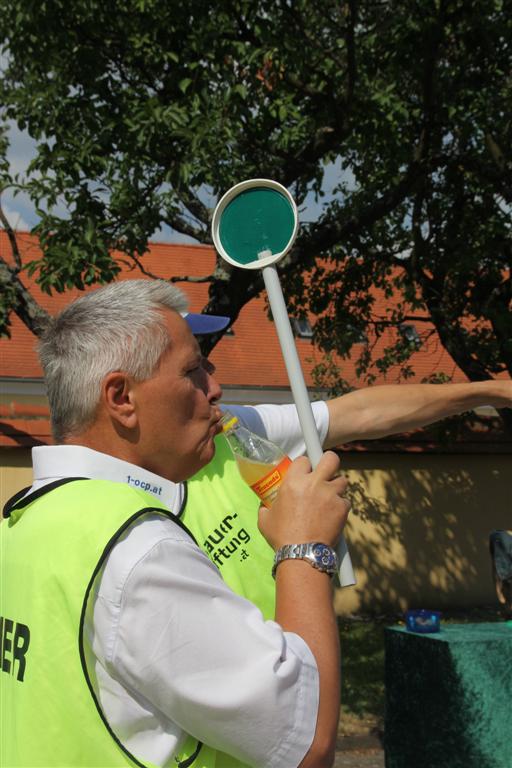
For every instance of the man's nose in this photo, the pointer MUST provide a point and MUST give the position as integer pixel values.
(214, 388)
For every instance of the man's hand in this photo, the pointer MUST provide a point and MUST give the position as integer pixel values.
(310, 505)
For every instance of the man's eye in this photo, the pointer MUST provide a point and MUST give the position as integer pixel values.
(208, 366)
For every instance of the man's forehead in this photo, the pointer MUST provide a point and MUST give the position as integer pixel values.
(182, 337)
(195, 349)
(175, 323)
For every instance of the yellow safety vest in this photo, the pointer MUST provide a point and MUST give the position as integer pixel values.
(222, 513)
(53, 545)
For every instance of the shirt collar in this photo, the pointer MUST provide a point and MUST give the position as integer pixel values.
(56, 462)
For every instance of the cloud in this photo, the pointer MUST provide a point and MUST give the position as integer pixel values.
(22, 149)
(15, 217)
(19, 209)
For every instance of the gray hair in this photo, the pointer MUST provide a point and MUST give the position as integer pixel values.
(118, 327)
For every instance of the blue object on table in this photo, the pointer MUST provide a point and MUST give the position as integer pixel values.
(422, 620)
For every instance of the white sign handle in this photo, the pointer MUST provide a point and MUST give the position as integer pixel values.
(300, 394)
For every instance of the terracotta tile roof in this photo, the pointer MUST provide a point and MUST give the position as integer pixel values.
(251, 357)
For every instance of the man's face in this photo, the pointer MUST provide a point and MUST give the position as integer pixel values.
(178, 415)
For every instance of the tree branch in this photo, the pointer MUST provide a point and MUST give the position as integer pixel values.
(191, 279)
(140, 266)
(351, 50)
(181, 225)
(22, 303)
(195, 206)
(326, 234)
(12, 239)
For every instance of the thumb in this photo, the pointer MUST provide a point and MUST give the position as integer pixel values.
(263, 517)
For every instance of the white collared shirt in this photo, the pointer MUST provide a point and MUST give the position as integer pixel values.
(176, 650)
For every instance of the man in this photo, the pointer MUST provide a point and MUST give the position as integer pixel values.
(121, 644)
(227, 527)
(500, 546)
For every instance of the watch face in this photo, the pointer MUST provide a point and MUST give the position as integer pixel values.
(325, 557)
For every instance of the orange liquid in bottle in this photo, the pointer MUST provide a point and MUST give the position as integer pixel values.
(264, 479)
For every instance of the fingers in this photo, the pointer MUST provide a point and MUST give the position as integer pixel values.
(310, 505)
(328, 466)
(339, 482)
(327, 470)
(300, 466)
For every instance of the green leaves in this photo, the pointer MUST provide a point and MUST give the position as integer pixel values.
(75, 255)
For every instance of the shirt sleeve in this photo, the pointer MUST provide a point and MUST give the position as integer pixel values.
(281, 425)
(202, 655)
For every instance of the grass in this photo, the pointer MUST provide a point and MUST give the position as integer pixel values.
(362, 651)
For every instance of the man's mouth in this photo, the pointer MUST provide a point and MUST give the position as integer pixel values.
(216, 425)
(217, 428)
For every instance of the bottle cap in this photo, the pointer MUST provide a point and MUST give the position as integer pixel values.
(228, 421)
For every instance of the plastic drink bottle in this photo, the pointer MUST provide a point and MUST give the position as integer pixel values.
(261, 463)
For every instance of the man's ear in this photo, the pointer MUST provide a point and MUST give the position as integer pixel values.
(118, 398)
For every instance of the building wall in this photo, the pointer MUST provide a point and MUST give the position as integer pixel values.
(15, 472)
(418, 531)
(418, 534)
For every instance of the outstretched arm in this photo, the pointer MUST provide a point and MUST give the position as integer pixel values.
(378, 411)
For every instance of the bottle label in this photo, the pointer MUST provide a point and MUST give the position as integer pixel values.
(267, 487)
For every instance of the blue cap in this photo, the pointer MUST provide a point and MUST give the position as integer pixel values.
(199, 324)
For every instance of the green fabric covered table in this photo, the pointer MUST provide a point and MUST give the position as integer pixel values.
(449, 697)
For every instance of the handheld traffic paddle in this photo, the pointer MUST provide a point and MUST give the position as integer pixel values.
(254, 225)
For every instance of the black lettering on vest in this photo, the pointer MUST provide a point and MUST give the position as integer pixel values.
(15, 649)
(225, 525)
(221, 554)
(217, 559)
(233, 545)
(21, 643)
(212, 539)
(6, 644)
(219, 538)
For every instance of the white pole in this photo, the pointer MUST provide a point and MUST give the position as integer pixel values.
(300, 393)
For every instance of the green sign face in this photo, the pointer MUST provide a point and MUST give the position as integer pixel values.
(255, 217)
(257, 220)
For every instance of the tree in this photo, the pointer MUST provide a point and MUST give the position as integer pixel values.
(144, 111)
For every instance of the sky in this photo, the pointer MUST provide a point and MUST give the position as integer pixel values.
(18, 209)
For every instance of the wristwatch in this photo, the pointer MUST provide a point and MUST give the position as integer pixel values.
(320, 556)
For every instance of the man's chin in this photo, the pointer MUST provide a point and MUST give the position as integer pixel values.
(192, 467)
(210, 451)
(205, 457)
